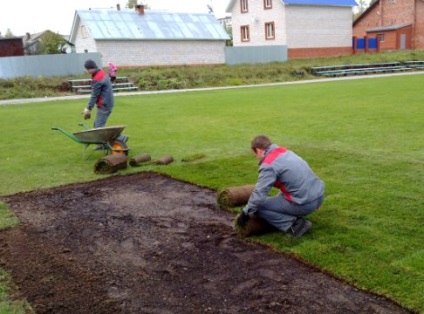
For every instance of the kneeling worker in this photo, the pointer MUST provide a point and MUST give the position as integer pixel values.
(301, 191)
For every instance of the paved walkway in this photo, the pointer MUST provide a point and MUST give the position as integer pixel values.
(319, 80)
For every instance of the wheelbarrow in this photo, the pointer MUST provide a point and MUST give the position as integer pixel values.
(108, 139)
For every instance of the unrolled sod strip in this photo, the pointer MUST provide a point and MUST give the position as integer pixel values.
(239, 196)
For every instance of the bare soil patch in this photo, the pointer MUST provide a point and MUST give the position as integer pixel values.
(147, 243)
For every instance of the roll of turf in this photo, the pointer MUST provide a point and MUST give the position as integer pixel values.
(110, 164)
(165, 160)
(140, 159)
(234, 196)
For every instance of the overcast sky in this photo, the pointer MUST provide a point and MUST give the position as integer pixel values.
(29, 16)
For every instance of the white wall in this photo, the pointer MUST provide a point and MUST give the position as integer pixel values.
(256, 19)
(152, 53)
(295, 26)
(83, 40)
(162, 53)
(318, 27)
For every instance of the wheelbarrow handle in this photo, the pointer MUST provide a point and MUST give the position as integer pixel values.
(70, 135)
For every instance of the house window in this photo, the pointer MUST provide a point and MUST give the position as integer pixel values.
(244, 6)
(267, 4)
(245, 34)
(269, 31)
(380, 37)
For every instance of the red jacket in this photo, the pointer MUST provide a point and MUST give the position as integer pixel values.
(101, 91)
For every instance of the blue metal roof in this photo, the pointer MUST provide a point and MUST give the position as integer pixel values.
(130, 25)
(338, 3)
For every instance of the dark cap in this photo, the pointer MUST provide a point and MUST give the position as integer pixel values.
(90, 64)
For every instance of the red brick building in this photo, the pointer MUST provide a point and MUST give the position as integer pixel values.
(398, 24)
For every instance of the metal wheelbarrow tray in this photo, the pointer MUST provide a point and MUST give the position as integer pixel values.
(106, 136)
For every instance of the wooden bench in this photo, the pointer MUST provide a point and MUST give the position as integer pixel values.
(88, 81)
(128, 88)
(83, 86)
(133, 88)
(127, 84)
(351, 68)
(416, 65)
(364, 71)
(84, 82)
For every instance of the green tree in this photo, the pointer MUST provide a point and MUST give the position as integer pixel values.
(362, 6)
(51, 43)
(229, 30)
(132, 3)
(8, 33)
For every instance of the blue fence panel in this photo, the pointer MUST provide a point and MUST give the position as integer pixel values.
(372, 43)
(360, 43)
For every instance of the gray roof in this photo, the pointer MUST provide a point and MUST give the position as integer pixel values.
(152, 25)
(389, 28)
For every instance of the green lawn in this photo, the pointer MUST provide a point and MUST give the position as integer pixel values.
(364, 138)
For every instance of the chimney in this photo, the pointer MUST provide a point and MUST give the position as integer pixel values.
(28, 36)
(140, 9)
(118, 7)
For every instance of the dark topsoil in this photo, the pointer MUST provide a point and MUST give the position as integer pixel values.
(146, 243)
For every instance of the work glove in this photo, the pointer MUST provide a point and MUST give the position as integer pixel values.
(86, 113)
(242, 220)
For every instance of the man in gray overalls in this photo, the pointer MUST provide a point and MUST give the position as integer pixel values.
(301, 191)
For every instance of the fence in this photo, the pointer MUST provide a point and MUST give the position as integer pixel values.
(46, 65)
(258, 54)
(365, 45)
(72, 64)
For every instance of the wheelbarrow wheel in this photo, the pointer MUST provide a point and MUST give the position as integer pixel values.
(119, 147)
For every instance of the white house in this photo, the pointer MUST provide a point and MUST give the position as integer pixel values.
(149, 38)
(308, 28)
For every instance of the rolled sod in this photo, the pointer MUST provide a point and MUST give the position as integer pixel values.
(110, 164)
(164, 160)
(138, 160)
(234, 196)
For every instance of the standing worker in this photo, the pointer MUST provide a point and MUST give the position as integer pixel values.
(101, 96)
(301, 191)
